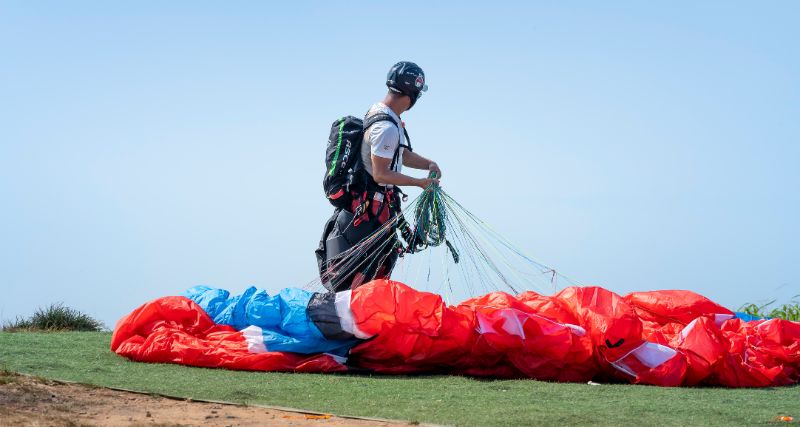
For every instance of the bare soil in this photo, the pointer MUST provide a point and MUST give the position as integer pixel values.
(28, 401)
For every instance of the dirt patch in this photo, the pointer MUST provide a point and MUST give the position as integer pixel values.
(35, 402)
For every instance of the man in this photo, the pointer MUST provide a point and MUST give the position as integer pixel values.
(361, 244)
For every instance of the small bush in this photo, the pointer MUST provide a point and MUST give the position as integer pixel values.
(56, 317)
(788, 311)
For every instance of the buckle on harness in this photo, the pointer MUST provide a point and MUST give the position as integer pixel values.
(404, 196)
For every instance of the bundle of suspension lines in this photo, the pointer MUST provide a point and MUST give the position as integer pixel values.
(465, 256)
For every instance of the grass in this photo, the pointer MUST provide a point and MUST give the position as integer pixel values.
(85, 357)
(55, 317)
(788, 311)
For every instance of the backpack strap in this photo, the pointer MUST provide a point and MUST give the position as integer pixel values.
(396, 156)
(381, 117)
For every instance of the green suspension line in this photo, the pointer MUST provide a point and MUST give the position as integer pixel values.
(430, 220)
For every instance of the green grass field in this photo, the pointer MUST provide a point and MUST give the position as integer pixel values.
(85, 357)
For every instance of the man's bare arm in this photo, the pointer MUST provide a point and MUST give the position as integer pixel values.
(414, 160)
(381, 172)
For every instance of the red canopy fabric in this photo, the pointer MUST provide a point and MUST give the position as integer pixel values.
(666, 338)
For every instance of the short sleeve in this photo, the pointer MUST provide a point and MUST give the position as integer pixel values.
(384, 137)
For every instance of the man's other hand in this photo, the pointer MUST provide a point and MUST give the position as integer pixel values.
(424, 183)
(433, 167)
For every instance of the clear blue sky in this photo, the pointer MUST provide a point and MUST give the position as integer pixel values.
(146, 147)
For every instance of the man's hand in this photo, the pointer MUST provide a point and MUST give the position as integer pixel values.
(424, 183)
(433, 167)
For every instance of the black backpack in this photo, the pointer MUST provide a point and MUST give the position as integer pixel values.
(345, 176)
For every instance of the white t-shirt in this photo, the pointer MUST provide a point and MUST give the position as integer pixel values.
(382, 139)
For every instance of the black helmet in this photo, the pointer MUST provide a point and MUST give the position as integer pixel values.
(408, 79)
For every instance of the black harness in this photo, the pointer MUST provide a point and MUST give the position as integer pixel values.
(391, 196)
